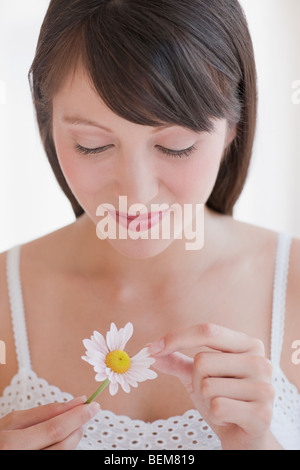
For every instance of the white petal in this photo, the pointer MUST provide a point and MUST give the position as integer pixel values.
(119, 378)
(123, 382)
(143, 357)
(138, 377)
(125, 335)
(142, 363)
(90, 345)
(133, 384)
(144, 352)
(116, 377)
(130, 380)
(85, 358)
(113, 388)
(112, 337)
(100, 341)
(96, 364)
(125, 387)
(96, 355)
(151, 374)
(100, 376)
(140, 373)
(110, 374)
(91, 361)
(100, 367)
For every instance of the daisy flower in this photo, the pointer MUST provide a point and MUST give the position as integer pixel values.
(113, 365)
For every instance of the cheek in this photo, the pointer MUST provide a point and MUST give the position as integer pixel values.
(83, 176)
(195, 179)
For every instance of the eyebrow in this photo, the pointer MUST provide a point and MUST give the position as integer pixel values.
(76, 120)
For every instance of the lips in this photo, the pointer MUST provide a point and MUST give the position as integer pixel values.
(145, 221)
(140, 216)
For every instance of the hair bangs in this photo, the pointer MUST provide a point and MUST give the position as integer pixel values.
(150, 79)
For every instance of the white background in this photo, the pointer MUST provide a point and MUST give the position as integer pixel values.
(31, 202)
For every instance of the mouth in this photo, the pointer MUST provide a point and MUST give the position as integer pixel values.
(145, 221)
(140, 216)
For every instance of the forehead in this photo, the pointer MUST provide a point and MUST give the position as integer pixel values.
(77, 98)
(77, 88)
(77, 101)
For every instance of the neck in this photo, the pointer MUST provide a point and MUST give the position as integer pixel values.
(97, 258)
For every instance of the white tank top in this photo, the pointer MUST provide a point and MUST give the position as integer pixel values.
(186, 432)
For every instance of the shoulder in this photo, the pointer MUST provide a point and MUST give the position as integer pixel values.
(266, 243)
(251, 242)
(245, 242)
(39, 257)
(51, 253)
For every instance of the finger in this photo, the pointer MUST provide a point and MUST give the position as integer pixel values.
(176, 364)
(240, 366)
(253, 417)
(52, 431)
(210, 335)
(70, 443)
(26, 418)
(236, 389)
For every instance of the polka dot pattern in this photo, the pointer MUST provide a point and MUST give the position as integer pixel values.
(186, 432)
(108, 430)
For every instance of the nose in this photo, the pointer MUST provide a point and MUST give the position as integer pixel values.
(136, 178)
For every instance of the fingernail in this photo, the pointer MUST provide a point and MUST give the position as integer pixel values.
(93, 408)
(157, 347)
(78, 400)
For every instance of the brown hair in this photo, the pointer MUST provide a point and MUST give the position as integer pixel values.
(154, 62)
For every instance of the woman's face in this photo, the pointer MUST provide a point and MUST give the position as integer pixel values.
(129, 159)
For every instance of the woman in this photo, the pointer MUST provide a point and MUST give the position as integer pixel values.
(153, 101)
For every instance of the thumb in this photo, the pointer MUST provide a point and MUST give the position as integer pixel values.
(177, 364)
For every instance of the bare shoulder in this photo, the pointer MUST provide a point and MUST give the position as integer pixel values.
(266, 242)
(41, 255)
(49, 251)
(249, 240)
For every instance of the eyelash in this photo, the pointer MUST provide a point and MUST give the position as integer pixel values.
(172, 153)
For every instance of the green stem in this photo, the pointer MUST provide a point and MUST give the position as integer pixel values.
(99, 390)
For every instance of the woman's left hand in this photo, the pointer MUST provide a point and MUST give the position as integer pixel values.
(229, 382)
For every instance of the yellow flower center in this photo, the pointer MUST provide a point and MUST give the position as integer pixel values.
(118, 361)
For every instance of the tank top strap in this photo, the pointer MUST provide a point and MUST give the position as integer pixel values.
(279, 296)
(17, 307)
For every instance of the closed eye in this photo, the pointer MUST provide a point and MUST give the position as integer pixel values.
(173, 153)
(86, 151)
(179, 153)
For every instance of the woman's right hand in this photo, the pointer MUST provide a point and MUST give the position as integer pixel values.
(57, 426)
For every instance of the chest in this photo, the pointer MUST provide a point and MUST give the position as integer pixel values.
(66, 310)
